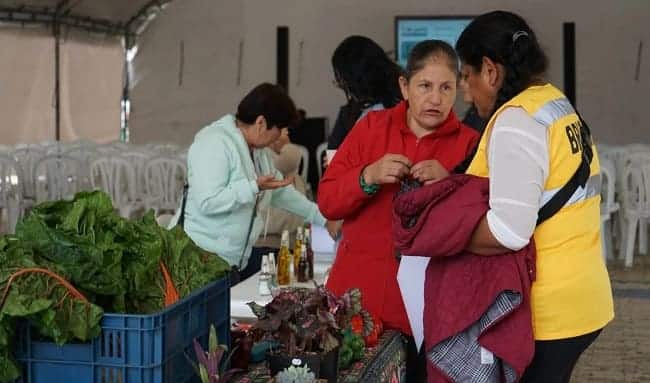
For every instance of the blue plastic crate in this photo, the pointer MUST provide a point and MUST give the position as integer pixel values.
(132, 348)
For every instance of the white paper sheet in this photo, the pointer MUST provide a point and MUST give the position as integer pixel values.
(322, 244)
(410, 278)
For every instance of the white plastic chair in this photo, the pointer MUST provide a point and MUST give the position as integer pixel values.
(11, 191)
(164, 179)
(121, 146)
(620, 156)
(320, 153)
(304, 168)
(636, 203)
(182, 154)
(164, 149)
(117, 177)
(27, 156)
(637, 148)
(107, 149)
(55, 147)
(138, 158)
(56, 177)
(608, 205)
(85, 154)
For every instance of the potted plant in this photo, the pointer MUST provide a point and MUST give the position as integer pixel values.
(306, 325)
(210, 367)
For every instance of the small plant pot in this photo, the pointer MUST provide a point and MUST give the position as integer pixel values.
(324, 366)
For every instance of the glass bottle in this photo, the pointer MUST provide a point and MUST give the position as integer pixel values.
(296, 250)
(273, 270)
(264, 283)
(284, 261)
(310, 255)
(302, 265)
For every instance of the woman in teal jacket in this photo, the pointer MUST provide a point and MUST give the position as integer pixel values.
(231, 178)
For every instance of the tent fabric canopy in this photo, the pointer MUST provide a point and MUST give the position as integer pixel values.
(109, 16)
(77, 84)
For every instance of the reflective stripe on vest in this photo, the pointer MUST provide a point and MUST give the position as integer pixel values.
(547, 115)
(553, 111)
(591, 189)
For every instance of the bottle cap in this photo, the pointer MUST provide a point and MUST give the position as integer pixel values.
(265, 264)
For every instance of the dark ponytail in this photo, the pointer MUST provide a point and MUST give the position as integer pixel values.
(504, 38)
(365, 73)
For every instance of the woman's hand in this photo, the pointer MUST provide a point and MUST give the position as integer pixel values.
(334, 228)
(429, 171)
(269, 182)
(389, 169)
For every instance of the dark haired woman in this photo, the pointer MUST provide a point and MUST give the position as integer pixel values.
(533, 145)
(231, 177)
(419, 140)
(369, 79)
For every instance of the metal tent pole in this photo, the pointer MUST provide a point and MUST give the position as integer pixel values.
(57, 77)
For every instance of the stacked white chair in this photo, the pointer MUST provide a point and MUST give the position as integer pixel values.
(320, 153)
(163, 149)
(138, 158)
(57, 170)
(120, 146)
(85, 154)
(56, 176)
(608, 205)
(304, 167)
(27, 156)
(117, 177)
(182, 154)
(11, 191)
(164, 180)
(636, 202)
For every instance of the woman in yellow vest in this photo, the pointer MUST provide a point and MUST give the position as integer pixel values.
(532, 146)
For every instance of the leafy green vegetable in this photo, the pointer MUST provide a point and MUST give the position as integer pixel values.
(112, 261)
(352, 349)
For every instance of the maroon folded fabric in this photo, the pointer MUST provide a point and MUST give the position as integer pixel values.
(437, 221)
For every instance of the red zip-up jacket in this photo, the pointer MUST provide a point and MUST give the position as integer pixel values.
(366, 254)
(438, 221)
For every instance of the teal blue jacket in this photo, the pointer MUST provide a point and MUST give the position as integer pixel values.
(223, 188)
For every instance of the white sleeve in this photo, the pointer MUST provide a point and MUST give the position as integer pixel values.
(518, 160)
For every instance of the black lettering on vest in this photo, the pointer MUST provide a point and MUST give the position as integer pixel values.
(576, 129)
(573, 139)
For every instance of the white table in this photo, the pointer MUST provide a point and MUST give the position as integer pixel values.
(247, 291)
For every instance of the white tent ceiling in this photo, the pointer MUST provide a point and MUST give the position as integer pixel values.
(107, 16)
(124, 19)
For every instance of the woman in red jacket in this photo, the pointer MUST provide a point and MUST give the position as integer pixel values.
(421, 140)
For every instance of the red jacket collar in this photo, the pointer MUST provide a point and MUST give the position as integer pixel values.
(449, 126)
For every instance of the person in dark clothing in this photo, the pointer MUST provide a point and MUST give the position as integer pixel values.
(369, 79)
(473, 120)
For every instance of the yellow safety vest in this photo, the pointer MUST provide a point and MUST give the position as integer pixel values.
(571, 295)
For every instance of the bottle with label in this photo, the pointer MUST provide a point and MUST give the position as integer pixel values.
(284, 261)
(310, 255)
(296, 250)
(303, 273)
(264, 283)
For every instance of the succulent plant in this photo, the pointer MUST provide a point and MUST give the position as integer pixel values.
(295, 374)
